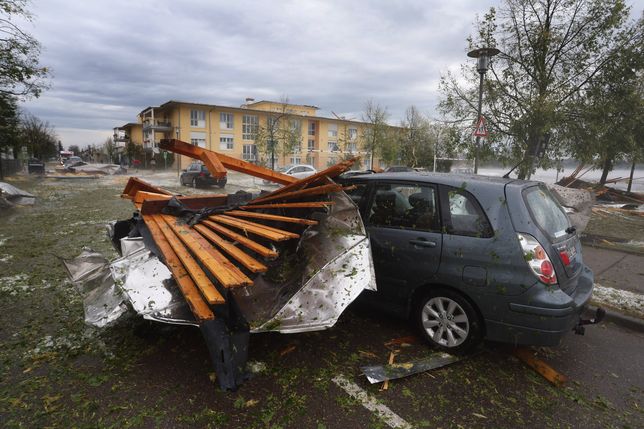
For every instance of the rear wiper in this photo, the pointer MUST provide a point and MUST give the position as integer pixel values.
(571, 230)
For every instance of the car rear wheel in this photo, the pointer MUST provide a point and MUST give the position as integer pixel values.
(448, 321)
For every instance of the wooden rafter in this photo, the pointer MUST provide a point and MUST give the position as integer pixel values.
(265, 216)
(270, 233)
(243, 240)
(246, 260)
(318, 190)
(309, 205)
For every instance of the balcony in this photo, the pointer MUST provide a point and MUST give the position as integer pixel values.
(156, 125)
(120, 138)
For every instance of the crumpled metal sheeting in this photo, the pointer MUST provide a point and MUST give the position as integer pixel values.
(148, 284)
(137, 278)
(336, 267)
(380, 373)
(15, 195)
(103, 302)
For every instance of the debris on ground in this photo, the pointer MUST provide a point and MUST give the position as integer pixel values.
(528, 356)
(288, 261)
(393, 371)
(578, 204)
(11, 196)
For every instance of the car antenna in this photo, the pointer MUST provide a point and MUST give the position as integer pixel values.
(507, 175)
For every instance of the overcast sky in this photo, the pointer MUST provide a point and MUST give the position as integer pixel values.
(111, 59)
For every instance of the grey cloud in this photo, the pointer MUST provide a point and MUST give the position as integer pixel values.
(112, 59)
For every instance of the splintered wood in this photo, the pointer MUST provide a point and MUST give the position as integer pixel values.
(229, 248)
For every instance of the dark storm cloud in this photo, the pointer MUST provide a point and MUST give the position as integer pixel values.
(113, 58)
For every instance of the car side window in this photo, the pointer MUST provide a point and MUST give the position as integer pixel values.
(465, 215)
(357, 192)
(195, 167)
(405, 206)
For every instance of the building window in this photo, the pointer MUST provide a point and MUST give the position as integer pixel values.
(333, 146)
(249, 127)
(198, 139)
(311, 145)
(331, 161)
(353, 134)
(226, 142)
(311, 128)
(352, 147)
(333, 130)
(310, 159)
(297, 147)
(272, 123)
(296, 160)
(198, 118)
(296, 125)
(226, 121)
(249, 153)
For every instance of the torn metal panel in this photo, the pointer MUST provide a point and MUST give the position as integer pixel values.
(15, 195)
(380, 373)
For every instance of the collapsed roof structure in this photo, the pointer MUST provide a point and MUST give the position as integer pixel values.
(289, 261)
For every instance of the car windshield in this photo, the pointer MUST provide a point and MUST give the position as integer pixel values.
(546, 212)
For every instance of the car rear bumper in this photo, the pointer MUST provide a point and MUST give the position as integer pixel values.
(543, 317)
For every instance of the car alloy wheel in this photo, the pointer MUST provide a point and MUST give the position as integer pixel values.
(449, 321)
(445, 322)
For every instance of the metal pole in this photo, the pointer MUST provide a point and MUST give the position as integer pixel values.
(478, 118)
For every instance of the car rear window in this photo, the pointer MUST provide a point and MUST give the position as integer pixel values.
(546, 211)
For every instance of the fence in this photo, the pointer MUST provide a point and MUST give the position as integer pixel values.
(9, 167)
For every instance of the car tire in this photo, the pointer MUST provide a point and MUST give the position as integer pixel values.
(448, 321)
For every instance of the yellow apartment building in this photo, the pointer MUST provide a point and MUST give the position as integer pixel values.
(234, 130)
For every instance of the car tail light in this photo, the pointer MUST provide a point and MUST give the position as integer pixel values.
(202, 174)
(538, 259)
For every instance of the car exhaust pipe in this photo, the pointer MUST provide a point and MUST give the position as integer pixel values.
(579, 328)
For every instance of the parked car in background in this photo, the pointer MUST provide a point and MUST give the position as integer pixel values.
(472, 257)
(73, 161)
(35, 166)
(198, 176)
(300, 171)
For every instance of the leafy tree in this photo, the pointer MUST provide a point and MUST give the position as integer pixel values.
(38, 137)
(550, 52)
(9, 123)
(74, 148)
(377, 138)
(607, 120)
(20, 71)
(416, 139)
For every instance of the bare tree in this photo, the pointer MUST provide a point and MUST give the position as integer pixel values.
(38, 137)
(281, 134)
(110, 149)
(377, 138)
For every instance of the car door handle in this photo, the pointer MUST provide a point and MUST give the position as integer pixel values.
(421, 242)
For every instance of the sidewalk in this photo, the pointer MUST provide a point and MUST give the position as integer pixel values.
(619, 279)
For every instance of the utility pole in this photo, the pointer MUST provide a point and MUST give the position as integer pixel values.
(483, 55)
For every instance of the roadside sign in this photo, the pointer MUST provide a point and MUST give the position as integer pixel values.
(480, 130)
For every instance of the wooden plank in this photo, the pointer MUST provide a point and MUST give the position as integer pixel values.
(134, 185)
(208, 290)
(196, 202)
(246, 260)
(318, 190)
(547, 372)
(186, 285)
(240, 213)
(224, 271)
(244, 241)
(273, 234)
(309, 205)
(229, 162)
(214, 165)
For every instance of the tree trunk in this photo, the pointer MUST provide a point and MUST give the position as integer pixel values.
(630, 178)
(607, 166)
(525, 169)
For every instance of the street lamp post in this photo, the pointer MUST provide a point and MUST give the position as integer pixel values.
(483, 56)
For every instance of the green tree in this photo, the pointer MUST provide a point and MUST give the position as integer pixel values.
(378, 139)
(74, 148)
(550, 52)
(9, 123)
(416, 139)
(20, 71)
(606, 123)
